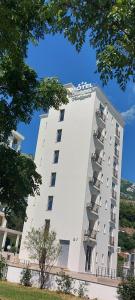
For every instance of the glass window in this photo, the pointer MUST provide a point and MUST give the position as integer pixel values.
(102, 258)
(50, 203)
(56, 156)
(53, 179)
(62, 112)
(47, 225)
(59, 134)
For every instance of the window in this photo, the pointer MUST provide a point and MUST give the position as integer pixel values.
(96, 257)
(102, 258)
(50, 203)
(47, 225)
(102, 178)
(56, 156)
(109, 160)
(59, 134)
(104, 229)
(98, 226)
(53, 179)
(62, 112)
(107, 181)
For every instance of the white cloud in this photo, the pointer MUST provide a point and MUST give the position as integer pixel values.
(129, 115)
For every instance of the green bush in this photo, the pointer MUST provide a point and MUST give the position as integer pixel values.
(3, 268)
(26, 277)
(82, 289)
(126, 289)
(65, 283)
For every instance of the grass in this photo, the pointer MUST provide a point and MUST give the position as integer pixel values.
(10, 291)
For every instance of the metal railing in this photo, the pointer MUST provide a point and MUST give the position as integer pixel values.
(94, 207)
(101, 115)
(99, 136)
(90, 233)
(116, 152)
(117, 132)
(113, 217)
(96, 182)
(97, 158)
(115, 173)
(114, 194)
(111, 240)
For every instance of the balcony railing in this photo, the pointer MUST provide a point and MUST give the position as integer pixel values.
(101, 115)
(115, 173)
(95, 157)
(114, 194)
(113, 217)
(116, 152)
(91, 234)
(99, 136)
(94, 207)
(117, 132)
(111, 240)
(95, 182)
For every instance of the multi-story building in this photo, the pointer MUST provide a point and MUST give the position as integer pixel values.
(78, 154)
(14, 142)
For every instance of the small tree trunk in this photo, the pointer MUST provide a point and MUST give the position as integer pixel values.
(42, 278)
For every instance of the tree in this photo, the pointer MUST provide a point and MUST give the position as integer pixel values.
(18, 179)
(21, 93)
(44, 249)
(126, 289)
(109, 24)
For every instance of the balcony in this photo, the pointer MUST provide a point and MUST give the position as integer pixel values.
(114, 194)
(93, 207)
(99, 138)
(97, 159)
(90, 235)
(113, 217)
(95, 182)
(115, 173)
(116, 152)
(117, 133)
(111, 241)
(101, 116)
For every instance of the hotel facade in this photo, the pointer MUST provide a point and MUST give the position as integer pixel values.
(79, 154)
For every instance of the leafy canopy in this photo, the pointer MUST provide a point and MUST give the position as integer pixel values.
(18, 179)
(109, 24)
(21, 93)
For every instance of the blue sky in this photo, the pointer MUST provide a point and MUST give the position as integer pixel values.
(55, 56)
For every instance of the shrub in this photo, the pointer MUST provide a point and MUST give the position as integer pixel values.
(65, 283)
(26, 277)
(3, 268)
(126, 289)
(82, 289)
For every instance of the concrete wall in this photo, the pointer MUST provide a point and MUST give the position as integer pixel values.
(94, 290)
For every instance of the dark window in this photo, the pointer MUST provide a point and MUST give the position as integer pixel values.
(47, 225)
(53, 179)
(50, 203)
(62, 112)
(56, 156)
(59, 134)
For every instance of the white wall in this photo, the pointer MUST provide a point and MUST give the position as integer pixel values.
(94, 290)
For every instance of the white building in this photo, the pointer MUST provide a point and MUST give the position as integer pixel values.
(78, 154)
(14, 142)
